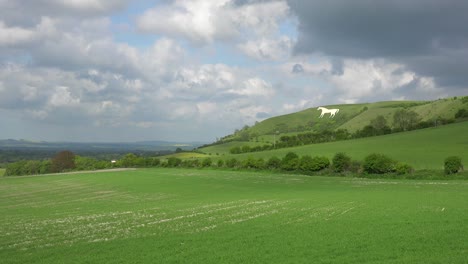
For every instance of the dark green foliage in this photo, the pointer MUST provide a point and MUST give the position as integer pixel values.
(207, 162)
(403, 168)
(63, 161)
(404, 119)
(220, 163)
(378, 164)
(320, 163)
(235, 150)
(252, 163)
(462, 113)
(273, 163)
(129, 160)
(308, 163)
(341, 162)
(452, 164)
(173, 162)
(232, 163)
(290, 162)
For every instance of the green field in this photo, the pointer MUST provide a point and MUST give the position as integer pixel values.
(422, 149)
(211, 216)
(2, 171)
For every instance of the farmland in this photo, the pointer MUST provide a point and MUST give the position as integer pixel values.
(215, 216)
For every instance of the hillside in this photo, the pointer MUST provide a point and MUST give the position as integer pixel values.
(423, 148)
(351, 117)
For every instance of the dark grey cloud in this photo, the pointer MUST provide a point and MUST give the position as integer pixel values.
(428, 36)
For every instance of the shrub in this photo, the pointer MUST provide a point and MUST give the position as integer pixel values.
(249, 163)
(308, 163)
(452, 165)
(341, 162)
(403, 168)
(173, 162)
(207, 162)
(378, 163)
(273, 163)
(461, 113)
(290, 162)
(220, 163)
(320, 163)
(231, 163)
(355, 166)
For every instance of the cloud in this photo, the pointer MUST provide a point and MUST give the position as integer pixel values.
(27, 13)
(267, 49)
(205, 21)
(427, 37)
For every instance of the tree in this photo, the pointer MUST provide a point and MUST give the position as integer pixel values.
(380, 125)
(341, 162)
(404, 119)
(63, 161)
(290, 161)
(207, 162)
(378, 164)
(129, 160)
(452, 165)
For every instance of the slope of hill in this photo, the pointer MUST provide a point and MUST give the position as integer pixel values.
(354, 116)
(423, 149)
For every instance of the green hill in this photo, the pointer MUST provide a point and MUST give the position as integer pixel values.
(423, 148)
(351, 117)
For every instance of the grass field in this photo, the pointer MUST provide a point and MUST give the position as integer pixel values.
(423, 149)
(210, 216)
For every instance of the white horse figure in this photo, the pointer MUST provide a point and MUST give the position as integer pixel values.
(324, 110)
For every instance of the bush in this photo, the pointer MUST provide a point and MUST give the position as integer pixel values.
(174, 162)
(231, 163)
(207, 162)
(308, 163)
(290, 162)
(355, 166)
(320, 163)
(461, 113)
(220, 163)
(341, 162)
(403, 168)
(379, 164)
(452, 165)
(273, 163)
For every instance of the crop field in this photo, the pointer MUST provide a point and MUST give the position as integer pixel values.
(215, 216)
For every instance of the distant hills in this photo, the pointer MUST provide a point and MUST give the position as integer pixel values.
(98, 147)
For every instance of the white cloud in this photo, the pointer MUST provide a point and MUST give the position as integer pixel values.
(255, 87)
(267, 48)
(63, 97)
(204, 21)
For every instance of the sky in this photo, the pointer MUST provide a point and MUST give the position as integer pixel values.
(196, 70)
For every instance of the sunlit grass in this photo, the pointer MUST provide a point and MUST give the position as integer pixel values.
(211, 216)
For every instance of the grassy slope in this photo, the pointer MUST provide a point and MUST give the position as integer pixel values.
(423, 149)
(352, 117)
(205, 216)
